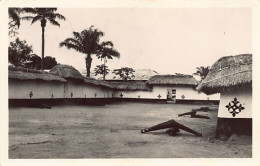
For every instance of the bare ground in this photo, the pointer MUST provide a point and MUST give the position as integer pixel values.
(113, 131)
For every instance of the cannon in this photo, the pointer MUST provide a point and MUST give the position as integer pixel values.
(200, 116)
(192, 114)
(175, 126)
(204, 109)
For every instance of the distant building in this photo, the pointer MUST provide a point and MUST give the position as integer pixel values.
(175, 87)
(65, 82)
(232, 77)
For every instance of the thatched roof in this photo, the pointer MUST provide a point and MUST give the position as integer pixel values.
(66, 72)
(30, 74)
(97, 82)
(227, 73)
(130, 85)
(179, 79)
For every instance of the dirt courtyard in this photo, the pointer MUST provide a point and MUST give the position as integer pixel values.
(113, 131)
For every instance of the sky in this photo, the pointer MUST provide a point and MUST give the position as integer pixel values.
(167, 40)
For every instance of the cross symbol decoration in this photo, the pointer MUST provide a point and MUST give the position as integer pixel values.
(159, 96)
(234, 107)
(183, 97)
(121, 95)
(31, 94)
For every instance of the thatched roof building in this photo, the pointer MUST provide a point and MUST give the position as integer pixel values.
(98, 82)
(66, 72)
(30, 74)
(178, 79)
(130, 85)
(227, 73)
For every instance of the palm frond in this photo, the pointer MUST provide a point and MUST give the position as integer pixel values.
(54, 22)
(29, 10)
(73, 41)
(43, 11)
(77, 36)
(107, 43)
(71, 46)
(36, 18)
(59, 16)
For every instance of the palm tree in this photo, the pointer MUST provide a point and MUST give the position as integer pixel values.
(86, 42)
(107, 51)
(43, 15)
(202, 72)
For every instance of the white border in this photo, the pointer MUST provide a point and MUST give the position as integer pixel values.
(254, 4)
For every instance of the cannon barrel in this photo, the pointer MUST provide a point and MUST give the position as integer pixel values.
(200, 116)
(170, 124)
(180, 126)
(192, 113)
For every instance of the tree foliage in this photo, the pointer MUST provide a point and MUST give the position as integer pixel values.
(106, 50)
(101, 69)
(34, 62)
(125, 73)
(86, 42)
(49, 62)
(19, 52)
(202, 72)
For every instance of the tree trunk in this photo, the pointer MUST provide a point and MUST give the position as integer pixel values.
(42, 62)
(88, 64)
(104, 74)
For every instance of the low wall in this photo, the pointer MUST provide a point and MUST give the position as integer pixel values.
(95, 101)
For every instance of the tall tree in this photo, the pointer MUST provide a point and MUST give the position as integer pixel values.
(43, 15)
(105, 52)
(101, 69)
(202, 72)
(86, 42)
(125, 73)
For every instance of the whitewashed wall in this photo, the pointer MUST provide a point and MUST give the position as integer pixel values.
(243, 95)
(20, 89)
(188, 92)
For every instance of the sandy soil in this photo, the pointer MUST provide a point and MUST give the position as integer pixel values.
(113, 131)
